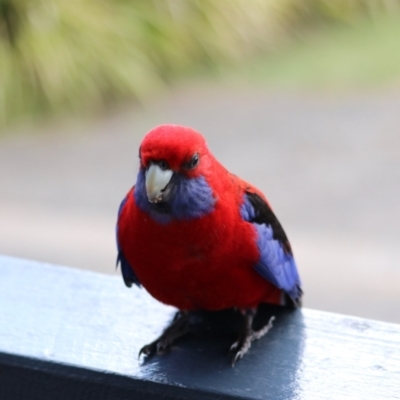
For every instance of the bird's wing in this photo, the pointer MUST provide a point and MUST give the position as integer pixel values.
(276, 262)
(128, 274)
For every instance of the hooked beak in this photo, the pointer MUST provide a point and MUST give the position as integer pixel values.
(156, 181)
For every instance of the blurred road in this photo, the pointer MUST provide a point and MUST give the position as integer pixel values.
(330, 166)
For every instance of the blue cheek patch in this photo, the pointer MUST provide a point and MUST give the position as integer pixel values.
(192, 198)
(189, 199)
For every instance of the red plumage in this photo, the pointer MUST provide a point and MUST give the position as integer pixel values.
(198, 263)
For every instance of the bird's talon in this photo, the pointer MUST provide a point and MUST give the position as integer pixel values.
(146, 350)
(141, 351)
(237, 357)
(234, 346)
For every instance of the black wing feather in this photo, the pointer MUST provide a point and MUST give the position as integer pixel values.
(265, 215)
(127, 272)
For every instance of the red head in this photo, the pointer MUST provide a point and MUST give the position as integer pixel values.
(174, 147)
(169, 152)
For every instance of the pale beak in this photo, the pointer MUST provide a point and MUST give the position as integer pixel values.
(156, 181)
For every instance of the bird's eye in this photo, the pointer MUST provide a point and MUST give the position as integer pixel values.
(163, 165)
(194, 162)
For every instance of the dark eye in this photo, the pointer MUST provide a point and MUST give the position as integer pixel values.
(194, 162)
(163, 165)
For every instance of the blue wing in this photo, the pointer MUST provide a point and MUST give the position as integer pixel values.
(127, 271)
(276, 263)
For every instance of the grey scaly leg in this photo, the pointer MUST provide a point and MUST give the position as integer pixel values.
(247, 335)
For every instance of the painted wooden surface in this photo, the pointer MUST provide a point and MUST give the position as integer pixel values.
(72, 334)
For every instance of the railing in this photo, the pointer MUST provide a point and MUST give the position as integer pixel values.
(72, 334)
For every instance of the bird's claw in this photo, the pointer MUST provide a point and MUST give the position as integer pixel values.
(158, 347)
(234, 346)
(246, 337)
(178, 328)
(147, 350)
(237, 357)
(242, 346)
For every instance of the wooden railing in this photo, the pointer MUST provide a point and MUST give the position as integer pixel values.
(72, 334)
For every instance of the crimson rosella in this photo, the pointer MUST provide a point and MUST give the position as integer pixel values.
(199, 238)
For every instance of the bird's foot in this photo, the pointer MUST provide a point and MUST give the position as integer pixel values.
(247, 335)
(179, 327)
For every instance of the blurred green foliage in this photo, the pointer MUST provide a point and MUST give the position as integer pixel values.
(365, 55)
(81, 55)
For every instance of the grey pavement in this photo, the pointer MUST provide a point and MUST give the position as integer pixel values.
(329, 164)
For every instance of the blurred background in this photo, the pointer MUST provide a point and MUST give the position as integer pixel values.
(300, 97)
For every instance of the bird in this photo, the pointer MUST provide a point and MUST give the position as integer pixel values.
(198, 237)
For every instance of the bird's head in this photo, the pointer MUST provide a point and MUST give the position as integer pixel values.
(171, 181)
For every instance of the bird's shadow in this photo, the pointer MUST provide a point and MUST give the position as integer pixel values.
(212, 333)
(201, 360)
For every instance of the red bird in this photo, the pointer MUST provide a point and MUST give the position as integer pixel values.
(199, 238)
